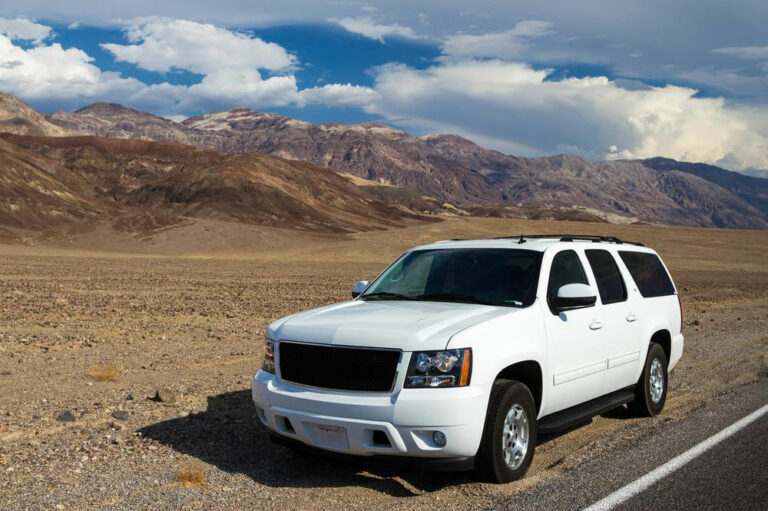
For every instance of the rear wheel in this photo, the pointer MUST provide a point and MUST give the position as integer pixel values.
(651, 389)
(509, 436)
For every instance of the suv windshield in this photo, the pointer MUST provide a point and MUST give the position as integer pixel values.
(490, 276)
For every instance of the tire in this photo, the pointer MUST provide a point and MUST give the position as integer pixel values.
(493, 464)
(650, 394)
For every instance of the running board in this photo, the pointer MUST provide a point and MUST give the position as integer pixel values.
(583, 413)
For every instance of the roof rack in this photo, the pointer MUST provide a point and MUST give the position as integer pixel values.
(571, 237)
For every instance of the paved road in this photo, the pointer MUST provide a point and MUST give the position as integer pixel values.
(731, 475)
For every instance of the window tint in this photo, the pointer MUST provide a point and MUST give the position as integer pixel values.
(566, 269)
(609, 281)
(649, 274)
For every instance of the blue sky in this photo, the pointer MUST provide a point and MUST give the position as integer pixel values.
(598, 78)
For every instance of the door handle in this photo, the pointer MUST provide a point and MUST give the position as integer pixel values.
(631, 317)
(595, 325)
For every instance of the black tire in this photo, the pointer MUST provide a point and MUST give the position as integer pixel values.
(644, 405)
(491, 464)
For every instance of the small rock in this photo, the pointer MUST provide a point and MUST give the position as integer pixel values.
(4, 428)
(60, 507)
(66, 416)
(164, 396)
(129, 397)
(120, 415)
(696, 322)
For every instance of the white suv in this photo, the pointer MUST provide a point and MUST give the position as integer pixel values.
(461, 352)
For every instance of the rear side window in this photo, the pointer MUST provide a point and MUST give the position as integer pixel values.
(649, 274)
(609, 281)
(566, 269)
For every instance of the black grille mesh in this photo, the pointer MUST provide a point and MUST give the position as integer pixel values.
(332, 367)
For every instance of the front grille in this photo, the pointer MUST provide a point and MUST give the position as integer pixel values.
(332, 367)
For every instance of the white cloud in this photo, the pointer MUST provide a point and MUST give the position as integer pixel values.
(242, 87)
(506, 44)
(513, 106)
(162, 44)
(337, 94)
(745, 52)
(50, 72)
(23, 29)
(370, 28)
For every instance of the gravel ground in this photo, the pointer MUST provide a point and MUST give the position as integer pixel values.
(191, 328)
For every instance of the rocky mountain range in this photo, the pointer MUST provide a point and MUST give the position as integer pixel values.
(134, 186)
(452, 174)
(17, 117)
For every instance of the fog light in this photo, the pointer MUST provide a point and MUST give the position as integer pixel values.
(439, 438)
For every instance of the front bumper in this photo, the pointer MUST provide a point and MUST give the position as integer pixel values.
(354, 422)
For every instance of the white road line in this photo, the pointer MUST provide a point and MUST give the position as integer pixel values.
(623, 494)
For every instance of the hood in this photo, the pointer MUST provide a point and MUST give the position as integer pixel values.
(405, 325)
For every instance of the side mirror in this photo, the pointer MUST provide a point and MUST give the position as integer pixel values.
(359, 287)
(573, 296)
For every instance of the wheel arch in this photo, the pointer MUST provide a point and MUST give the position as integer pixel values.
(529, 373)
(663, 337)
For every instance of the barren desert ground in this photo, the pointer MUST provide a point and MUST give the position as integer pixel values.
(86, 338)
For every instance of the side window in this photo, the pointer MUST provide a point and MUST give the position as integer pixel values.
(649, 274)
(608, 277)
(566, 269)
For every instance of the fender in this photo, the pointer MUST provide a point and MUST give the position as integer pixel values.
(645, 340)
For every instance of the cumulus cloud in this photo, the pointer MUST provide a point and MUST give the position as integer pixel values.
(51, 72)
(370, 28)
(337, 94)
(242, 87)
(23, 29)
(506, 44)
(162, 44)
(516, 108)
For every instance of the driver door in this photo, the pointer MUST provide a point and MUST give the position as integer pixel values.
(576, 348)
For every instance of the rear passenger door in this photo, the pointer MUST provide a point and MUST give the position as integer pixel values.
(621, 331)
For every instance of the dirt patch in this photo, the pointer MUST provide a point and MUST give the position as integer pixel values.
(192, 326)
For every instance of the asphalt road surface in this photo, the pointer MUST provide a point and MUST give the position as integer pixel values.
(732, 474)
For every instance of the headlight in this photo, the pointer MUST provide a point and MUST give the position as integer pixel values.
(448, 368)
(269, 356)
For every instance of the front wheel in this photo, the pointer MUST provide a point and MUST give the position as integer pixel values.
(509, 436)
(651, 389)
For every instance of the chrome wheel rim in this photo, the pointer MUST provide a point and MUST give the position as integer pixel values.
(514, 441)
(656, 381)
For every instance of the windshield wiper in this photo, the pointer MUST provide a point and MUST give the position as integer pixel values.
(453, 297)
(387, 295)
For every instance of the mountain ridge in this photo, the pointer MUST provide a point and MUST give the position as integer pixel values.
(456, 170)
(138, 186)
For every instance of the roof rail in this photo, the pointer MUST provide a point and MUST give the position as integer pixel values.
(571, 237)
